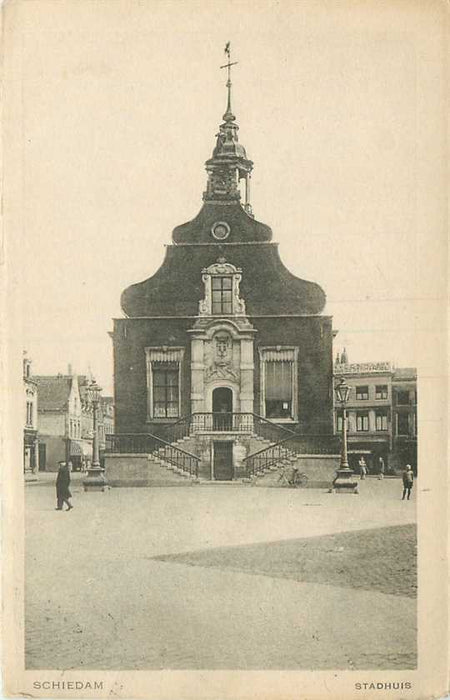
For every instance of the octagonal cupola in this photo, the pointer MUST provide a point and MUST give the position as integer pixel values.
(229, 165)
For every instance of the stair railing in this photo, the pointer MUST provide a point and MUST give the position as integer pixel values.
(178, 430)
(146, 443)
(223, 422)
(270, 430)
(292, 446)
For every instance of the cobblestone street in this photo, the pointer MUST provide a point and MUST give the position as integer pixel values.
(97, 598)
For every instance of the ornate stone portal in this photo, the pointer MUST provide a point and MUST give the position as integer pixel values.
(222, 345)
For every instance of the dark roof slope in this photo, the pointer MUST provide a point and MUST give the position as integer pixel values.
(267, 287)
(53, 391)
(243, 228)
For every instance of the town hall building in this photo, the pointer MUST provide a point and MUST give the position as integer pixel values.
(223, 337)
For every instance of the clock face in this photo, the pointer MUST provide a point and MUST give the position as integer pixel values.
(220, 230)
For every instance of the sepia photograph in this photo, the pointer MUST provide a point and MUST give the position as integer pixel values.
(225, 349)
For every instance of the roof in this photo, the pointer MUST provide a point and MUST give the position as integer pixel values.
(83, 384)
(53, 391)
(107, 399)
(405, 373)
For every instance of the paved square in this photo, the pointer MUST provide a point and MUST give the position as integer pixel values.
(97, 598)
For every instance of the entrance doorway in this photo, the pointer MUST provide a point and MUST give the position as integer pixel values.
(222, 406)
(223, 461)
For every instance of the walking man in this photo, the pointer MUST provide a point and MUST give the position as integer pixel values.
(381, 468)
(408, 480)
(63, 494)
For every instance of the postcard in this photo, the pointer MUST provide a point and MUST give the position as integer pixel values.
(225, 350)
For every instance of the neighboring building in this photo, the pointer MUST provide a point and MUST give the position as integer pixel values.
(404, 408)
(87, 416)
(63, 427)
(223, 326)
(375, 416)
(30, 430)
(107, 411)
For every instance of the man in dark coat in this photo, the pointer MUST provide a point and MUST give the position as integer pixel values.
(63, 494)
(408, 480)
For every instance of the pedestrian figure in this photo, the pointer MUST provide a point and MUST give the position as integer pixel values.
(381, 468)
(408, 480)
(63, 494)
(362, 468)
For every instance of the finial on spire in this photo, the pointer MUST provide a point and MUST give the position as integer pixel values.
(229, 116)
(229, 163)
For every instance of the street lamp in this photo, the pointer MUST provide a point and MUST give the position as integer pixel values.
(95, 480)
(345, 481)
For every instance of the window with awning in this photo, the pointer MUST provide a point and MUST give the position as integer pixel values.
(163, 381)
(279, 370)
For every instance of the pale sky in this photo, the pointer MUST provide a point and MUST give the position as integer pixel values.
(339, 106)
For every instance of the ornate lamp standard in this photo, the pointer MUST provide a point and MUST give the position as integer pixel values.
(345, 481)
(95, 480)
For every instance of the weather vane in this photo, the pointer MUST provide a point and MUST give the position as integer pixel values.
(228, 65)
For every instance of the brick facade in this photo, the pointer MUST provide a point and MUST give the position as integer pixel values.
(223, 319)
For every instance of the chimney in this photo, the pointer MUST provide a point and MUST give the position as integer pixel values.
(69, 369)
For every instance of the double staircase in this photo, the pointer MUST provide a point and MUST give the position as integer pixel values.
(178, 448)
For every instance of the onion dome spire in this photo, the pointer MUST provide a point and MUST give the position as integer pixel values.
(229, 163)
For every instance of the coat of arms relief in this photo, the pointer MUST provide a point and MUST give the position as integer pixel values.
(220, 361)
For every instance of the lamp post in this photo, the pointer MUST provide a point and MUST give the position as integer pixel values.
(95, 480)
(345, 481)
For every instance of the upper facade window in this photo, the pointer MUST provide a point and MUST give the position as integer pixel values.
(403, 398)
(381, 391)
(279, 383)
(362, 392)
(221, 282)
(221, 291)
(29, 414)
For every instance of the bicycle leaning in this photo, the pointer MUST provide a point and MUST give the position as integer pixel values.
(294, 480)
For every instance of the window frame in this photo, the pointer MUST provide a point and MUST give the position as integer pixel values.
(360, 417)
(172, 355)
(397, 397)
(29, 414)
(366, 393)
(384, 394)
(404, 416)
(379, 415)
(217, 295)
(167, 388)
(271, 354)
